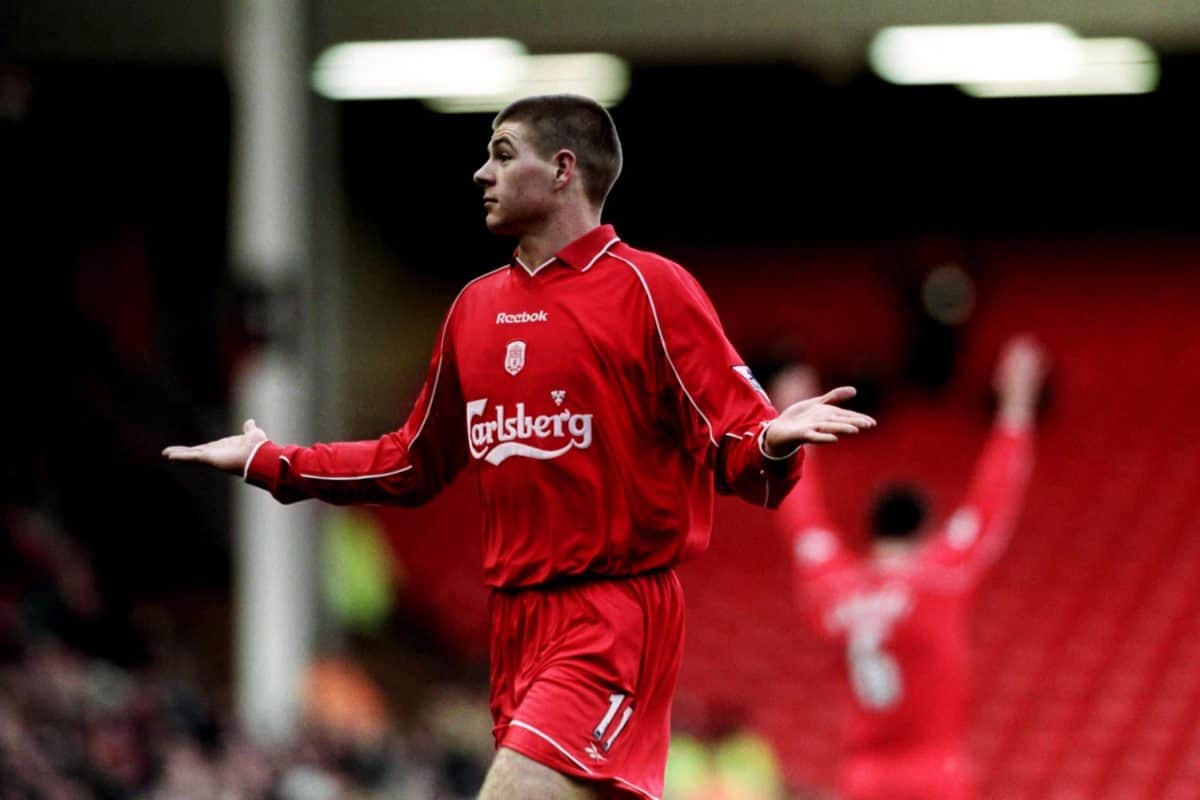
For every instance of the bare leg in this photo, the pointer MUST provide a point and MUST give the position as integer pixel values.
(512, 776)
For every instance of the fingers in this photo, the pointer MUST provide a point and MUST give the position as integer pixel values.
(837, 427)
(248, 426)
(181, 453)
(851, 418)
(839, 395)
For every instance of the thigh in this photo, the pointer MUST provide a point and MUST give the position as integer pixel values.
(590, 695)
(514, 775)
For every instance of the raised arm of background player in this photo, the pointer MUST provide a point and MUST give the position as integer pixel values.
(977, 532)
(819, 556)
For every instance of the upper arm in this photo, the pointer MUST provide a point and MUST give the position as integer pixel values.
(979, 529)
(715, 397)
(407, 466)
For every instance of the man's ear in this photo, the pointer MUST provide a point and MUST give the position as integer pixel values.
(564, 168)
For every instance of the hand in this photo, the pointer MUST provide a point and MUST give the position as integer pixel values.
(1020, 374)
(814, 421)
(229, 454)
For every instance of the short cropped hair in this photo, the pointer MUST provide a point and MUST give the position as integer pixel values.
(898, 513)
(575, 123)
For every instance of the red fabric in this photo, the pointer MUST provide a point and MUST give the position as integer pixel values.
(1086, 624)
(600, 397)
(582, 677)
(909, 777)
(902, 627)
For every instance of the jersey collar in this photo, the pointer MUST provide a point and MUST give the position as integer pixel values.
(580, 254)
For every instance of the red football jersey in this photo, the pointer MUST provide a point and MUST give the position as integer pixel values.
(594, 396)
(902, 625)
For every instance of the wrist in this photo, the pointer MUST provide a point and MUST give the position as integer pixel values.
(774, 452)
(250, 459)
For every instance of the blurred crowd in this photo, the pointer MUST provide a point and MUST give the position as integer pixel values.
(91, 708)
(97, 702)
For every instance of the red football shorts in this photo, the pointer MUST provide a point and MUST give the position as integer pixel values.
(582, 677)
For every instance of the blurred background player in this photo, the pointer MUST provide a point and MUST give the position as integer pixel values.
(901, 612)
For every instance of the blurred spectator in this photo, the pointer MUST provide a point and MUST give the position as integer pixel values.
(76, 725)
(737, 765)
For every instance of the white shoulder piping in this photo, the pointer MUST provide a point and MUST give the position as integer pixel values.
(432, 393)
(603, 250)
(375, 476)
(663, 340)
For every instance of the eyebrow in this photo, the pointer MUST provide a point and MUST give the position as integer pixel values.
(501, 140)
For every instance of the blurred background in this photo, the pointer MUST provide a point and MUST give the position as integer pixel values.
(205, 218)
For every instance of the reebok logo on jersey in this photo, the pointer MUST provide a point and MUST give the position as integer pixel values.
(520, 317)
(497, 437)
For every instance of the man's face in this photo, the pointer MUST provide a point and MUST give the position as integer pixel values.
(517, 183)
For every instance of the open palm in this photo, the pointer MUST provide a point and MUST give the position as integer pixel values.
(229, 454)
(817, 420)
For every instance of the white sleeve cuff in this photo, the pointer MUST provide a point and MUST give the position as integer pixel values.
(762, 447)
(253, 453)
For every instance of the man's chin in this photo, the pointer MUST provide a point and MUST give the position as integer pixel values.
(500, 227)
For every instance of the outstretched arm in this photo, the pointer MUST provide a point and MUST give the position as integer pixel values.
(980, 528)
(817, 420)
(405, 467)
(231, 454)
(721, 414)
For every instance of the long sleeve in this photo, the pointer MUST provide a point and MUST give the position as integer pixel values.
(405, 467)
(720, 408)
(819, 558)
(978, 531)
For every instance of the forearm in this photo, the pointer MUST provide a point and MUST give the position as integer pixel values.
(342, 473)
(747, 470)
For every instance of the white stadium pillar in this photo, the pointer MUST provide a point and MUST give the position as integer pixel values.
(271, 249)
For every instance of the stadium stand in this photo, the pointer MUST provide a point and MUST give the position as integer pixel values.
(1086, 654)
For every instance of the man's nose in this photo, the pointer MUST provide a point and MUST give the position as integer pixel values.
(482, 176)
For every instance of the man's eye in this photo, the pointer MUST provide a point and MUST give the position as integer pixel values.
(503, 157)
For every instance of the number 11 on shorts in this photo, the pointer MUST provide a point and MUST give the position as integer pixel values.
(615, 701)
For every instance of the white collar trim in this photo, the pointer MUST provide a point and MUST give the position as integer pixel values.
(538, 268)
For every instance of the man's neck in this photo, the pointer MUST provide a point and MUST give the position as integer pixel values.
(538, 245)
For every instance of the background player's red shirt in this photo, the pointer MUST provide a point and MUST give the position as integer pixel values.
(594, 395)
(902, 626)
